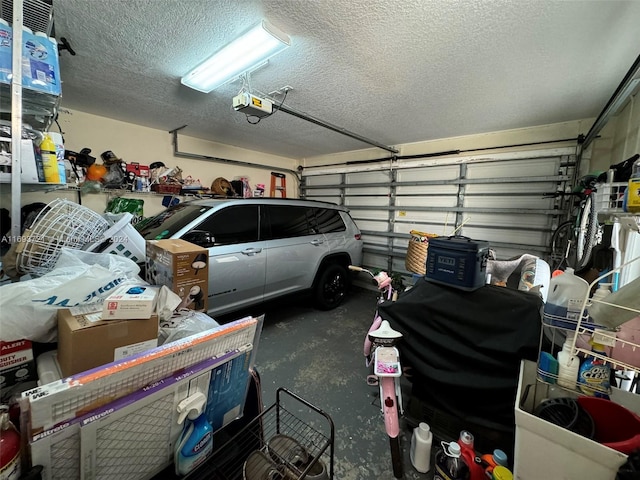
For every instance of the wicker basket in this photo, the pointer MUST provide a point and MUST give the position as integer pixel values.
(416, 259)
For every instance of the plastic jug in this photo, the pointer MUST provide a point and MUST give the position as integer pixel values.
(633, 190)
(467, 448)
(568, 366)
(49, 160)
(595, 374)
(491, 461)
(567, 293)
(421, 448)
(449, 464)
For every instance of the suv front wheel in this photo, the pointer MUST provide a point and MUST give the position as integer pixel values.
(331, 287)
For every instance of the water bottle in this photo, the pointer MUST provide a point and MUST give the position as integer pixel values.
(449, 463)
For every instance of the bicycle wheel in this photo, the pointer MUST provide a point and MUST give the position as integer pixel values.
(562, 246)
(586, 232)
(396, 457)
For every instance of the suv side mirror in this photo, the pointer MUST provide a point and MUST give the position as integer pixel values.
(201, 238)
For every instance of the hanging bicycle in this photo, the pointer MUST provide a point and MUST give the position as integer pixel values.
(572, 241)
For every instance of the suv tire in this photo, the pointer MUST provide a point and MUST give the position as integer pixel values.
(331, 287)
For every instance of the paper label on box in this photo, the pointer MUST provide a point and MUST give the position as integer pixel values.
(94, 317)
(85, 309)
(128, 350)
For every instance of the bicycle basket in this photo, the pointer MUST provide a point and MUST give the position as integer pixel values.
(61, 223)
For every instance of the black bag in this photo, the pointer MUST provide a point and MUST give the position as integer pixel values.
(622, 170)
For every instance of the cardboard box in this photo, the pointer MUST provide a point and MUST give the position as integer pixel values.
(17, 366)
(181, 266)
(130, 302)
(28, 163)
(86, 341)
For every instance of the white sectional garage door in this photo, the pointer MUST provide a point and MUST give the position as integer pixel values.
(499, 198)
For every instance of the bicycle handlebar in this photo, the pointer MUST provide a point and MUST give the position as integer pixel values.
(381, 280)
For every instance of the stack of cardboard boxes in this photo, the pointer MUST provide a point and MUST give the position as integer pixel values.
(127, 323)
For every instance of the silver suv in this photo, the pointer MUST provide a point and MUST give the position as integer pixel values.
(263, 248)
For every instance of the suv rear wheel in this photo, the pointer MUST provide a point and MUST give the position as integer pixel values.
(331, 287)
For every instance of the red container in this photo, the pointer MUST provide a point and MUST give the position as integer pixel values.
(616, 426)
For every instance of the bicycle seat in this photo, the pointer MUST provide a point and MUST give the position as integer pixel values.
(384, 332)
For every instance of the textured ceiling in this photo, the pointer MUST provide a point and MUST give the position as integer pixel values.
(395, 71)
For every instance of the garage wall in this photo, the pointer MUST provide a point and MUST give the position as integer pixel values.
(619, 139)
(134, 143)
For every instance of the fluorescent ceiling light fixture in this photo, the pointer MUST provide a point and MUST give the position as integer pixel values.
(251, 50)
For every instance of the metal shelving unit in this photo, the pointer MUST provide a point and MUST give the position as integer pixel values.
(38, 108)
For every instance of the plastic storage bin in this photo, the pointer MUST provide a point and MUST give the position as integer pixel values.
(545, 450)
(121, 238)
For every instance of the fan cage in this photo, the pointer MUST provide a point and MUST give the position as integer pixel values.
(61, 223)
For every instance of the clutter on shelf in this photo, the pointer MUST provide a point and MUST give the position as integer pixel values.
(574, 403)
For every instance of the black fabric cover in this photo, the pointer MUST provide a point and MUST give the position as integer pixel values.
(464, 348)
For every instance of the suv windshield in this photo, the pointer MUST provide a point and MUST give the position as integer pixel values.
(167, 223)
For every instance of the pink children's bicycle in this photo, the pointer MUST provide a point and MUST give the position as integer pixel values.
(381, 352)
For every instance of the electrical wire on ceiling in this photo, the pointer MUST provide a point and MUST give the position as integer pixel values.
(275, 109)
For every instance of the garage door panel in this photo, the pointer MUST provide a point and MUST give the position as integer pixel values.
(374, 240)
(514, 168)
(513, 236)
(511, 188)
(315, 180)
(381, 225)
(425, 217)
(369, 191)
(417, 190)
(442, 202)
(520, 202)
(374, 215)
(381, 177)
(510, 221)
(323, 192)
(372, 201)
(499, 201)
(447, 172)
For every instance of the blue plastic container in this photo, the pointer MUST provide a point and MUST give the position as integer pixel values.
(40, 64)
(6, 60)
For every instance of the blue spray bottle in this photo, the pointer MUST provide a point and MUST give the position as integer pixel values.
(196, 440)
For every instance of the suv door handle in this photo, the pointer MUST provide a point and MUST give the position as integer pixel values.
(251, 251)
(316, 242)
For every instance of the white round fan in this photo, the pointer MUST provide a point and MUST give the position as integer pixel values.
(61, 223)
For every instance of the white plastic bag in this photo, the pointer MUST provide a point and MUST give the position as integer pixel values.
(184, 323)
(28, 309)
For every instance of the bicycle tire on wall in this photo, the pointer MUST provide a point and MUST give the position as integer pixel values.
(563, 246)
(588, 225)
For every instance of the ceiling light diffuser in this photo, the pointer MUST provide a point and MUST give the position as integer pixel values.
(241, 55)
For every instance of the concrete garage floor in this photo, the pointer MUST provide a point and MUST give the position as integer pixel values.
(318, 356)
